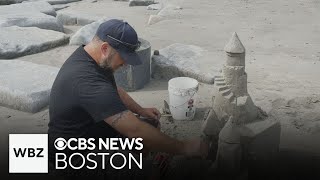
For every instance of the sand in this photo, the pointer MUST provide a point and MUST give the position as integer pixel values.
(282, 44)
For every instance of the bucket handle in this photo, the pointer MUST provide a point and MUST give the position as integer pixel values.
(184, 102)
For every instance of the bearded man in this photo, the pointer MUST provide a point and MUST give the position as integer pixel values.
(86, 102)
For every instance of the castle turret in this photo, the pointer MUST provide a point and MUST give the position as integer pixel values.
(234, 69)
(234, 119)
(235, 51)
(231, 97)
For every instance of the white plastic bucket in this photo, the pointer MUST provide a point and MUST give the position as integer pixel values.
(182, 97)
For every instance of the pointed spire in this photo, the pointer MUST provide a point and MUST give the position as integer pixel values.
(234, 45)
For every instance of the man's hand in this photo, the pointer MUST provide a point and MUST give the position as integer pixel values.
(150, 113)
(195, 147)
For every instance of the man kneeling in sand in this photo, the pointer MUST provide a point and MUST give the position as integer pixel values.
(85, 101)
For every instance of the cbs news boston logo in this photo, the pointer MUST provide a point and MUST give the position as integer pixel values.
(28, 153)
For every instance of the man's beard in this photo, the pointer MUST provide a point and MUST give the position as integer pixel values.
(106, 63)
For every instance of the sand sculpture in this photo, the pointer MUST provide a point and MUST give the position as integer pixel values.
(231, 96)
(242, 129)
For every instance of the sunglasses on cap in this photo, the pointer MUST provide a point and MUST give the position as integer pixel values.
(132, 47)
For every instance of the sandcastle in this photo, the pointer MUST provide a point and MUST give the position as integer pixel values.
(242, 129)
(231, 96)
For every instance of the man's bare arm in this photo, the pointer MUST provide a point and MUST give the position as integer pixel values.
(127, 124)
(129, 102)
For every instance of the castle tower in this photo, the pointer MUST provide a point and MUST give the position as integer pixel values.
(234, 69)
(235, 120)
(231, 97)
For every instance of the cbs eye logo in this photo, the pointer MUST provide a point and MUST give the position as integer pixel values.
(60, 144)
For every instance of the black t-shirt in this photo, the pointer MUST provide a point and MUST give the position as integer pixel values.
(82, 96)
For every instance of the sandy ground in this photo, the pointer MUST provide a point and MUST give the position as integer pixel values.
(283, 60)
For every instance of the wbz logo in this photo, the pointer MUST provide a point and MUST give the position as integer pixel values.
(28, 153)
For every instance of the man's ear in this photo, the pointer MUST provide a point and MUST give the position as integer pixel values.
(105, 48)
